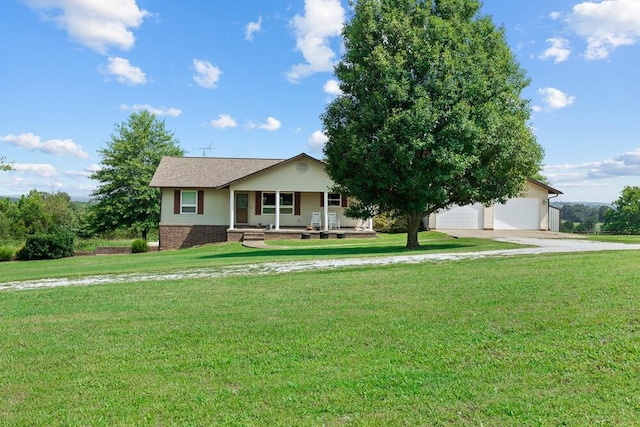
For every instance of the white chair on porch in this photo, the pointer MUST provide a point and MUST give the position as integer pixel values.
(334, 222)
(316, 222)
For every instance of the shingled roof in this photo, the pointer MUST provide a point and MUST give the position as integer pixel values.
(209, 172)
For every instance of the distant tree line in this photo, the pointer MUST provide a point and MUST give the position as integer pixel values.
(582, 218)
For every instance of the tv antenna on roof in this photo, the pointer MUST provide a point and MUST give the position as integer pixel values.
(204, 149)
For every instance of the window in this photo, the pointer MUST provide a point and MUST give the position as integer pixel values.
(335, 199)
(269, 203)
(188, 202)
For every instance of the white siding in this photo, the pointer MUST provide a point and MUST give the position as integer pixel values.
(288, 177)
(216, 209)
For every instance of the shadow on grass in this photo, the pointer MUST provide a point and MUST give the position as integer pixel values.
(329, 251)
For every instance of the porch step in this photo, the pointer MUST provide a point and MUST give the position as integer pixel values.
(254, 235)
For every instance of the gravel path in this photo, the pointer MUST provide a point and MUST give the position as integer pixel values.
(540, 246)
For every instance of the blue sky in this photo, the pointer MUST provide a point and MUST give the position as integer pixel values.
(250, 79)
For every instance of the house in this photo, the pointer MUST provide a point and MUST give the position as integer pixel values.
(214, 199)
(531, 211)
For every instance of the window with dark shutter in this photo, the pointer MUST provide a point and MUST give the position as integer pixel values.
(296, 201)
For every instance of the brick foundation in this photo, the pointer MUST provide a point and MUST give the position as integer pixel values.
(186, 236)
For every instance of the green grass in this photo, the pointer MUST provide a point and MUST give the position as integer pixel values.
(234, 253)
(517, 341)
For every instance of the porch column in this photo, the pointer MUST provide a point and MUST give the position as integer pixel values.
(326, 211)
(232, 208)
(370, 224)
(277, 209)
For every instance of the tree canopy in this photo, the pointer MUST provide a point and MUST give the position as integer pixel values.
(430, 113)
(5, 166)
(624, 218)
(124, 199)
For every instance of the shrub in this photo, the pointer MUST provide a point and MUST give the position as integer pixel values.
(388, 223)
(6, 253)
(47, 246)
(139, 246)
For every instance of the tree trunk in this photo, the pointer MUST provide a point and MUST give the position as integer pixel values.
(413, 224)
(144, 234)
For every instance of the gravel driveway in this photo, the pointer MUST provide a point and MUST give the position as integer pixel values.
(548, 244)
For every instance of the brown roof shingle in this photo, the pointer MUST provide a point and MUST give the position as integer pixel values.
(209, 172)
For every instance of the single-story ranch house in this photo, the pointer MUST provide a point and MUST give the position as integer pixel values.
(213, 199)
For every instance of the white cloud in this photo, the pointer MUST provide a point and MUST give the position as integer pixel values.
(606, 25)
(41, 169)
(59, 147)
(125, 72)
(253, 27)
(97, 24)
(332, 87)
(555, 15)
(323, 19)
(158, 111)
(317, 140)
(623, 165)
(559, 49)
(207, 74)
(271, 125)
(223, 121)
(555, 98)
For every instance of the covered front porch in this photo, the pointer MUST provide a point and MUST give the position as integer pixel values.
(277, 210)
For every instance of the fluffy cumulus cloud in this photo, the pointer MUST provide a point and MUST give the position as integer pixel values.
(555, 98)
(39, 169)
(59, 147)
(223, 121)
(558, 50)
(606, 25)
(271, 125)
(317, 140)
(206, 74)
(97, 24)
(624, 165)
(124, 72)
(332, 87)
(158, 111)
(252, 28)
(323, 19)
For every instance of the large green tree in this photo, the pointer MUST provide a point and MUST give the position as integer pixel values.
(624, 218)
(124, 199)
(431, 112)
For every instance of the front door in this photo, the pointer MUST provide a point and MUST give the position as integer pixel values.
(242, 208)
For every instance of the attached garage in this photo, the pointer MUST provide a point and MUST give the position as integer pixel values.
(469, 217)
(517, 214)
(529, 212)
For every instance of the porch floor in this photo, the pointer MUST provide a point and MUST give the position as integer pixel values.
(238, 234)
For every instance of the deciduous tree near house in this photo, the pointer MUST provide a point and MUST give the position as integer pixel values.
(124, 199)
(624, 218)
(431, 112)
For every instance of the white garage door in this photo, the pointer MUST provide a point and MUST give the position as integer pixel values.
(470, 217)
(518, 214)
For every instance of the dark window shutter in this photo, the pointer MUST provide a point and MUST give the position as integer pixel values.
(200, 202)
(321, 200)
(176, 202)
(344, 201)
(258, 202)
(296, 207)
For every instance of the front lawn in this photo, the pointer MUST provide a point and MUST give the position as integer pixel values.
(221, 254)
(515, 341)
